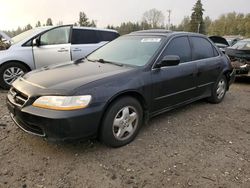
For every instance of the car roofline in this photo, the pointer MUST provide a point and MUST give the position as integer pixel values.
(163, 33)
(94, 28)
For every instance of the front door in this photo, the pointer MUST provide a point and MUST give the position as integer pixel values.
(53, 48)
(175, 84)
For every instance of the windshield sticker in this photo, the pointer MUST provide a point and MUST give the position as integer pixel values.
(151, 40)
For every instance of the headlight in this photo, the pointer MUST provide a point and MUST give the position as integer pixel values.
(63, 102)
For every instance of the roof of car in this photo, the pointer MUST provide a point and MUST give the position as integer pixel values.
(77, 27)
(94, 28)
(163, 32)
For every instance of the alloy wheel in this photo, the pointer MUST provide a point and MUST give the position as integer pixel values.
(221, 89)
(125, 123)
(11, 74)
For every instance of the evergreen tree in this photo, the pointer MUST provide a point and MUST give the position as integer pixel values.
(38, 24)
(197, 23)
(49, 22)
(92, 24)
(27, 27)
(83, 19)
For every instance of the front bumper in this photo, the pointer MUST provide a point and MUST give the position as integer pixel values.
(57, 125)
(231, 77)
(242, 68)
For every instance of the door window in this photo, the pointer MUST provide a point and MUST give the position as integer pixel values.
(107, 35)
(84, 36)
(58, 35)
(202, 48)
(179, 46)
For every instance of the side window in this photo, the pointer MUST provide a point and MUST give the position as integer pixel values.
(215, 52)
(84, 36)
(108, 35)
(202, 48)
(59, 35)
(179, 46)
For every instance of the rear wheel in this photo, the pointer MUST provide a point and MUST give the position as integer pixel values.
(219, 90)
(122, 122)
(9, 72)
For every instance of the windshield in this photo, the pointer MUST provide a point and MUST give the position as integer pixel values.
(128, 50)
(24, 35)
(242, 44)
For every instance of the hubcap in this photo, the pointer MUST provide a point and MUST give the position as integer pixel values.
(11, 74)
(221, 89)
(125, 123)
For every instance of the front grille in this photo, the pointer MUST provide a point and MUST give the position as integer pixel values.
(18, 97)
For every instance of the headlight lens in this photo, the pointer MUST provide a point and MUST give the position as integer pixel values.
(63, 102)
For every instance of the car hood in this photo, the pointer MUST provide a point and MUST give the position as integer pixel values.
(71, 75)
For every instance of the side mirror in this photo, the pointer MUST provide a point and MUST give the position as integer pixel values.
(168, 60)
(36, 42)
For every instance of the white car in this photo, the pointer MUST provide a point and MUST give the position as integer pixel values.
(44, 46)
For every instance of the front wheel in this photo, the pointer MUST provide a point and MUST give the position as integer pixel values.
(122, 122)
(218, 90)
(9, 72)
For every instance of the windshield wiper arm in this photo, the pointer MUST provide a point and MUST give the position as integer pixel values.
(104, 61)
(79, 60)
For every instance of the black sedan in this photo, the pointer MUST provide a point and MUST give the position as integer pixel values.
(115, 89)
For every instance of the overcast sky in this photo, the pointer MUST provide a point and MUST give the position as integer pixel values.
(14, 13)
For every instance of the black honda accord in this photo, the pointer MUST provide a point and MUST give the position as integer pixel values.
(111, 92)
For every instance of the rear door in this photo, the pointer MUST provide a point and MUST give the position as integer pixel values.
(208, 63)
(84, 41)
(173, 85)
(54, 47)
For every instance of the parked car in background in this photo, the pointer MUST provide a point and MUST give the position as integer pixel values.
(44, 46)
(220, 42)
(4, 41)
(239, 54)
(233, 39)
(110, 93)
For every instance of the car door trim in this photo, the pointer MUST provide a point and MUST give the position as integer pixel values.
(203, 85)
(176, 93)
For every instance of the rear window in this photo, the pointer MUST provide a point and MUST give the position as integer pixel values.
(84, 36)
(107, 35)
(202, 48)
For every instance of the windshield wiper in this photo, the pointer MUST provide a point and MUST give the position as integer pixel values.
(104, 61)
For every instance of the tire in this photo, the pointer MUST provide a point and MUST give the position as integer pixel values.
(9, 72)
(219, 90)
(121, 122)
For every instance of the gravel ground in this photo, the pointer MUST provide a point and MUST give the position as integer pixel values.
(199, 145)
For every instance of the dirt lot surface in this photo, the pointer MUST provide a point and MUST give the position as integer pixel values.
(199, 145)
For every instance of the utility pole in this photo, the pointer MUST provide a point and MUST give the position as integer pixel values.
(169, 18)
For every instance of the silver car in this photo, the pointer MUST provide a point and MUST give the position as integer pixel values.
(44, 46)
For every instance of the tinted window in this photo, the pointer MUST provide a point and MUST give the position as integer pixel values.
(107, 35)
(84, 36)
(56, 36)
(179, 46)
(202, 48)
(215, 52)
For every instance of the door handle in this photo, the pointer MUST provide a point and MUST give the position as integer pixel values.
(77, 50)
(63, 50)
